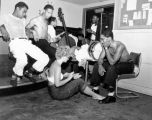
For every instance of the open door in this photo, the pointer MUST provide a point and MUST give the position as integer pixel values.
(105, 15)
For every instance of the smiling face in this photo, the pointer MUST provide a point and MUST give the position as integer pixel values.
(95, 19)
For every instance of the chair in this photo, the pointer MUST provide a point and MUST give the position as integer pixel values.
(136, 57)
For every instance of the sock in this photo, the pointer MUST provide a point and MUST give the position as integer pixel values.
(96, 88)
(111, 94)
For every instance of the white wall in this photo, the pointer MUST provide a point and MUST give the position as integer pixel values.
(137, 40)
(72, 13)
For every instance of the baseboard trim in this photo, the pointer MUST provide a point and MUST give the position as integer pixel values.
(136, 88)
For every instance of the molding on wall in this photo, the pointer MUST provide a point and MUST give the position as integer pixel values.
(136, 88)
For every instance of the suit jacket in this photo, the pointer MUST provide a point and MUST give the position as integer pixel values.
(97, 32)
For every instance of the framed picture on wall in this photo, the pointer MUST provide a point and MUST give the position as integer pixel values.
(135, 14)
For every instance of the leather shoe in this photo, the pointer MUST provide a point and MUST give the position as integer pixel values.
(108, 99)
(30, 76)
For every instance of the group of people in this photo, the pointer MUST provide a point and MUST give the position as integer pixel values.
(113, 60)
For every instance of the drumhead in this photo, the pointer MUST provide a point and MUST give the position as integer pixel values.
(95, 49)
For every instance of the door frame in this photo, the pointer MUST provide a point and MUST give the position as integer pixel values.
(89, 8)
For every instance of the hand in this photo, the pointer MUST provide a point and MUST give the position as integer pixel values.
(57, 38)
(76, 76)
(101, 70)
(70, 76)
(5, 34)
(89, 31)
(66, 74)
(36, 36)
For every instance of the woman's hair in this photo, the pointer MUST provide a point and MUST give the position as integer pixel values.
(62, 51)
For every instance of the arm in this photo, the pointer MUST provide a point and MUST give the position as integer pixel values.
(91, 31)
(113, 59)
(5, 34)
(59, 35)
(57, 77)
(101, 69)
(31, 28)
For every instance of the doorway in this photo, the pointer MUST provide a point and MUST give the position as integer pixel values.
(105, 15)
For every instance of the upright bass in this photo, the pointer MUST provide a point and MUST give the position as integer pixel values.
(66, 40)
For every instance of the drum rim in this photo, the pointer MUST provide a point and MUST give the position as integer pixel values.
(90, 51)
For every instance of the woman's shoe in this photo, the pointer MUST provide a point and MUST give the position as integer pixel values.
(108, 99)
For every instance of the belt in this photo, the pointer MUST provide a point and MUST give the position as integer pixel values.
(22, 38)
(19, 38)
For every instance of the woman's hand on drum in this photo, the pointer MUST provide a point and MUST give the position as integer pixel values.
(101, 70)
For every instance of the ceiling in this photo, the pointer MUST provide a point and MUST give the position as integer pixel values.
(83, 2)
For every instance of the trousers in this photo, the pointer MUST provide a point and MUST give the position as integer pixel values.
(111, 74)
(68, 90)
(46, 48)
(20, 48)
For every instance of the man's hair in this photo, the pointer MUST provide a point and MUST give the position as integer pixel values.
(21, 5)
(48, 6)
(80, 32)
(108, 33)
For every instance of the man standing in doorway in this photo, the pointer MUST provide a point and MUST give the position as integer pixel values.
(94, 30)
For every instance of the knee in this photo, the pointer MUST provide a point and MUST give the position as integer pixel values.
(22, 62)
(80, 80)
(45, 59)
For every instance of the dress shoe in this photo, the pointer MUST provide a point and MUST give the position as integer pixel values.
(15, 80)
(30, 76)
(108, 99)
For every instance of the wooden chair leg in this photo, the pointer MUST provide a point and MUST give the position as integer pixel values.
(86, 72)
